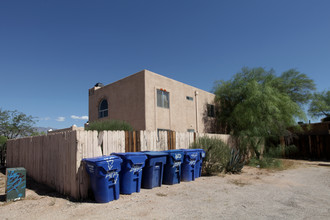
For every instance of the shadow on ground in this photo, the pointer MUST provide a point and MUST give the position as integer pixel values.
(42, 190)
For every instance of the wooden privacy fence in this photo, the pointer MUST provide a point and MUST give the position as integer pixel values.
(316, 147)
(56, 159)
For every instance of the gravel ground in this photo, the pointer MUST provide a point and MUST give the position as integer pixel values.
(302, 192)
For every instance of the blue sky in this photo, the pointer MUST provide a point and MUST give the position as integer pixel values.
(52, 52)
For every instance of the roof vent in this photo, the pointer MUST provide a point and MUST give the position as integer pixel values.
(99, 84)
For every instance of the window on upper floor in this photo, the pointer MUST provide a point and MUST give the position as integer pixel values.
(189, 98)
(103, 109)
(163, 98)
(210, 110)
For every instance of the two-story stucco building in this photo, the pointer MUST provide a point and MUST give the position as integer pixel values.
(149, 101)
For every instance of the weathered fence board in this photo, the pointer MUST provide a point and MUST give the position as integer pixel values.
(56, 159)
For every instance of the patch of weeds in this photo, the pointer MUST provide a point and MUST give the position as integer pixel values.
(161, 194)
(266, 163)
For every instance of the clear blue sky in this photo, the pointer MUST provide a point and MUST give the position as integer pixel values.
(52, 52)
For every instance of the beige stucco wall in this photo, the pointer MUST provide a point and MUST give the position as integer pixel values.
(125, 100)
(134, 99)
(183, 114)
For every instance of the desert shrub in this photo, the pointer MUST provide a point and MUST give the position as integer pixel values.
(217, 154)
(109, 125)
(236, 162)
(270, 159)
(266, 162)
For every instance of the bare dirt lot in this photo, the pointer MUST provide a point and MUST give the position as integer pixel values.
(302, 192)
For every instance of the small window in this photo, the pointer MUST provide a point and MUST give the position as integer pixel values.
(103, 109)
(210, 111)
(190, 130)
(189, 98)
(163, 99)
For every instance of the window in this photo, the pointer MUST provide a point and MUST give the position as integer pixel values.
(190, 130)
(189, 98)
(103, 109)
(163, 98)
(210, 111)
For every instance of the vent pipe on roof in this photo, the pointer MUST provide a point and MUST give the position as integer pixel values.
(99, 84)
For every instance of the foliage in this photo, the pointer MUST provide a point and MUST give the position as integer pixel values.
(266, 162)
(297, 85)
(271, 157)
(256, 104)
(236, 162)
(110, 125)
(320, 105)
(217, 154)
(3, 141)
(15, 124)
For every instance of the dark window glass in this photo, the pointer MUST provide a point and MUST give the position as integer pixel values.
(163, 99)
(103, 109)
(189, 98)
(210, 111)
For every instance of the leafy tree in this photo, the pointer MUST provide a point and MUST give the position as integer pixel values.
(256, 104)
(320, 105)
(15, 124)
(297, 85)
(3, 141)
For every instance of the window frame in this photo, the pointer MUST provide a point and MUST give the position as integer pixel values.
(103, 113)
(163, 94)
(210, 111)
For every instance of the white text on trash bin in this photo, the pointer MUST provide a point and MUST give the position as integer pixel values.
(192, 162)
(176, 164)
(136, 168)
(113, 175)
(177, 156)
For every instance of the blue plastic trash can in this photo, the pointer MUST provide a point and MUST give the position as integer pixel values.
(131, 171)
(199, 163)
(153, 170)
(191, 156)
(172, 168)
(104, 177)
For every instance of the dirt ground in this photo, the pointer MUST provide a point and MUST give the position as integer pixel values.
(302, 192)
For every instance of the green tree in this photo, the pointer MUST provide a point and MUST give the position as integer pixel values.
(320, 105)
(15, 124)
(3, 141)
(256, 104)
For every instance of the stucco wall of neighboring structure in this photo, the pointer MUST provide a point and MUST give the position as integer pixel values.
(125, 100)
(182, 114)
(134, 99)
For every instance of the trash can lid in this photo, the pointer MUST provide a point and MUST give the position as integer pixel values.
(101, 158)
(135, 157)
(191, 153)
(155, 153)
(173, 151)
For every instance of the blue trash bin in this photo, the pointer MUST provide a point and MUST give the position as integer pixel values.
(131, 171)
(191, 156)
(199, 163)
(104, 177)
(153, 170)
(172, 168)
